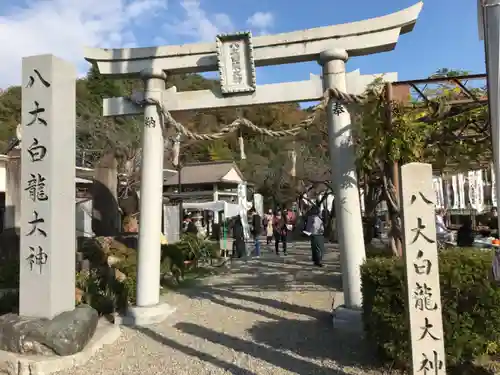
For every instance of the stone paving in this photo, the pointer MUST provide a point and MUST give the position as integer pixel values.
(267, 316)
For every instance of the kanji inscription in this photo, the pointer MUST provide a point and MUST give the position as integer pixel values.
(48, 121)
(422, 270)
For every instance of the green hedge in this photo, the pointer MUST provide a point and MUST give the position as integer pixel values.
(469, 297)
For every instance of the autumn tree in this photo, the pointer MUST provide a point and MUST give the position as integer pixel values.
(429, 130)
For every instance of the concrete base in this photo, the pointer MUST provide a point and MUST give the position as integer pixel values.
(143, 316)
(346, 319)
(17, 364)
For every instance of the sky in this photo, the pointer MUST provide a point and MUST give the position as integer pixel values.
(445, 36)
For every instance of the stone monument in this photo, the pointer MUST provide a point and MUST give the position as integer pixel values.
(422, 269)
(47, 266)
(235, 57)
(48, 324)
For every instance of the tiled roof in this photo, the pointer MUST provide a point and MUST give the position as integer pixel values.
(203, 173)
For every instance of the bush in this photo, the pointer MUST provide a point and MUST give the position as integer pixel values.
(110, 284)
(178, 258)
(470, 301)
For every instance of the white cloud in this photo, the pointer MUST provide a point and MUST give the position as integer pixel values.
(261, 21)
(64, 27)
(197, 24)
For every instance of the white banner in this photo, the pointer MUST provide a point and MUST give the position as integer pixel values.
(471, 179)
(461, 191)
(448, 194)
(437, 183)
(454, 189)
(243, 204)
(258, 203)
(479, 191)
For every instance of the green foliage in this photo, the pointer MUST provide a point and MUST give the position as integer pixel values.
(189, 248)
(469, 298)
(10, 113)
(100, 87)
(100, 292)
(186, 255)
(219, 151)
(424, 131)
(108, 288)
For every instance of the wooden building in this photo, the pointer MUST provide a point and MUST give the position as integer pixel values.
(204, 182)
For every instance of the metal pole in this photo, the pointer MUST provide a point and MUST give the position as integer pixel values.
(342, 161)
(491, 14)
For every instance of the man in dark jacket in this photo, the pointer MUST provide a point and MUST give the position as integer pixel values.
(256, 230)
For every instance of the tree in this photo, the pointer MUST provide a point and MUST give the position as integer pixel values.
(424, 131)
(10, 113)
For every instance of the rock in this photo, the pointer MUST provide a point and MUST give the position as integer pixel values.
(112, 260)
(105, 243)
(118, 249)
(70, 331)
(66, 334)
(119, 275)
(17, 335)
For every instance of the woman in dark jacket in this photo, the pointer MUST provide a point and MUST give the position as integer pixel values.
(239, 237)
(280, 231)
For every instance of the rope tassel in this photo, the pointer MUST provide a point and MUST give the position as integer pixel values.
(176, 149)
(293, 157)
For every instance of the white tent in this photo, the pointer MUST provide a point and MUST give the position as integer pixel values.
(229, 209)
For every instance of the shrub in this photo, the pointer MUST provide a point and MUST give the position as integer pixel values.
(110, 284)
(469, 298)
(373, 251)
(178, 258)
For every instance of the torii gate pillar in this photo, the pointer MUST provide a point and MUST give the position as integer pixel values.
(151, 200)
(344, 178)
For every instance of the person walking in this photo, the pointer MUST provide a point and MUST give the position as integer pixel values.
(316, 230)
(256, 231)
(289, 217)
(239, 238)
(280, 232)
(268, 224)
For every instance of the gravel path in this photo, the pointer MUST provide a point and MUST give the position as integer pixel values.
(267, 316)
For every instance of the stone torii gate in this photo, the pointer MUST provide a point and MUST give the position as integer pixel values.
(235, 57)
